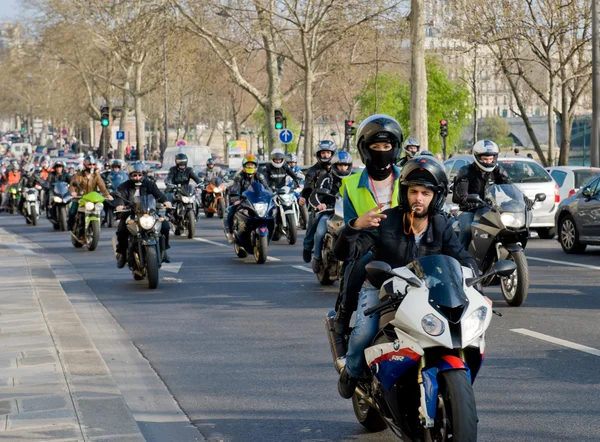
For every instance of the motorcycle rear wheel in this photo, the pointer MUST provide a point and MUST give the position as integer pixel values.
(515, 287)
(456, 415)
(367, 416)
(292, 229)
(209, 214)
(261, 247)
(239, 251)
(76, 243)
(152, 266)
(93, 235)
(190, 224)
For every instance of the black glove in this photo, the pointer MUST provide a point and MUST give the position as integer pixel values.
(529, 203)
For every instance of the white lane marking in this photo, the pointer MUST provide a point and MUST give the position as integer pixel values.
(574, 264)
(214, 243)
(557, 341)
(172, 267)
(270, 258)
(306, 269)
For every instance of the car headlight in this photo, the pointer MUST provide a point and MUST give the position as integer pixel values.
(89, 206)
(261, 209)
(185, 199)
(432, 325)
(57, 199)
(473, 325)
(99, 207)
(147, 222)
(514, 220)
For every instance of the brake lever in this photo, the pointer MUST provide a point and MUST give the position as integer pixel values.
(497, 313)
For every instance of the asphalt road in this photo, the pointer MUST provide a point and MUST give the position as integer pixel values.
(242, 347)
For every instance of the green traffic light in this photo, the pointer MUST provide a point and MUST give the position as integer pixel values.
(278, 126)
(105, 122)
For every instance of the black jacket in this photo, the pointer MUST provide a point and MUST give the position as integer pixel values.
(127, 191)
(312, 175)
(390, 244)
(181, 176)
(276, 175)
(242, 181)
(62, 178)
(471, 179)
(329, 182)
(31, 181)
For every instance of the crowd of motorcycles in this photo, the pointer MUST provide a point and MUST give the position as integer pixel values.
(410, 297)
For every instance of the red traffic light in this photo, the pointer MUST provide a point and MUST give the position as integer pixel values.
(443, 122)
(349, 122)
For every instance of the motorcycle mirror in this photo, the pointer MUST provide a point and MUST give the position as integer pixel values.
(75, 183)
(540, 197)
(323, 192)
(378, 272)
(473, 198)
(504, 267)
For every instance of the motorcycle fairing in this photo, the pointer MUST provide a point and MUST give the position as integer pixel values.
(263, 231)
(430, 382)
(388, 362)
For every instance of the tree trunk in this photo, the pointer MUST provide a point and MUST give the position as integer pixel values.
(566, 119)
(551, 125)
(234, 118)
(212, 133)
(418, 74)
(139, 113)
(475, 100)
(308, 113)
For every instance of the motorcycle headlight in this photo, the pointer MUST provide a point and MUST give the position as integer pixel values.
(261, 209)
(89, 206)
(432, 325)
(287, 198)
(31, 197)
(57, 199)
(185, 199)
(216, 190)
(514, 220)
(473, 325)
(99, 207)
(147, 222)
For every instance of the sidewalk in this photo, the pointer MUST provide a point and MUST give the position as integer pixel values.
(54, 385)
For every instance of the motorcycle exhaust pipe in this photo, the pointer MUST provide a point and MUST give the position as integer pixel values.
(337, 342)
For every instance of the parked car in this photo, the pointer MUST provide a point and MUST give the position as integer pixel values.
(531, 179)
(578, 219)
(572, 178)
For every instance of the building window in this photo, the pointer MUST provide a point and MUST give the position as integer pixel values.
(537, 112)
(504, 113)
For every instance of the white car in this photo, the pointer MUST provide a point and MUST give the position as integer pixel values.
(531, 179)
(572, 178)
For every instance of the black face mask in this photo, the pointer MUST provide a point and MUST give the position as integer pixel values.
(380, 166)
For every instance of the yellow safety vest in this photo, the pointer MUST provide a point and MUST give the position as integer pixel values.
(361, 197)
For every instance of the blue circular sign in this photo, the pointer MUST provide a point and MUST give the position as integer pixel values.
(286, 136)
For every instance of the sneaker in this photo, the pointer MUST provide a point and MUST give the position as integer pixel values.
(229, 238)
(306, 255)
(316, 265)
(346, 384)
(166, 258)
(121, 260)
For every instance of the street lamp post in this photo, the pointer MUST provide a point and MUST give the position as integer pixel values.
(595, 147)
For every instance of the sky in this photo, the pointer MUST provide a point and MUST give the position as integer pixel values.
(9, 9)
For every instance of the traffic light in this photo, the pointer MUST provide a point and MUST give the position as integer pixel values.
(349, 128)
(279, 119)
(443, 128)
(104, 119)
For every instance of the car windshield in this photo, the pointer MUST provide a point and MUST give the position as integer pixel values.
(585, 176)
(443, 277)
(507, 197)
(525, 171)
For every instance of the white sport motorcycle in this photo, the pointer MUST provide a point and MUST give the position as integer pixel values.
(428, 349)
(288, 215)
(31, 205)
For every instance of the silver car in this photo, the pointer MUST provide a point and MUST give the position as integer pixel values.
(531, 179)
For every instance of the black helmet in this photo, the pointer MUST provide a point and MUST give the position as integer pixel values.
(341, 157)
(424, 171)
(116, 163)
(181, 158)
(89, 162)
(59, 164)
(411, 142)
(210, 162)
(375, 129)
(323, 145)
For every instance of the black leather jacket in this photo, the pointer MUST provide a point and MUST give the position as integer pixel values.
(127, 191)
(329, 182)
(242, 181)
(276, 175)
(471, 179)
(313, 173)
(31, 181)
(390, 244)
(181, 176)
(62, 178)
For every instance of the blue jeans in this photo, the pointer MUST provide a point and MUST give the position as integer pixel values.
(72, 214)
(319, 235)
(365, 329)
(309, 237)
(464, 222)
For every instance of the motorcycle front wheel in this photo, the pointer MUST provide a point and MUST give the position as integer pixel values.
(191, 224)
(515, 287)
(93, 235)
(456, 414)
(62, 218)
(261, 246)
(222, 208)
(34, 216)
(152, 267)
(292, 229)
(303, 217)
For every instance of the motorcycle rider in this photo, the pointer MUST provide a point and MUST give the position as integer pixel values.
(398, 236)
(341, 167)
(291, 160)
(117, 176)
(88, 181)
(126, 191)
(242, 181)
(324, 152)
(58, 175)
(181, 174)
(212, 172)
(28, 180)
(44, 172)
(277, 171)
(476, 178)
(411, 148)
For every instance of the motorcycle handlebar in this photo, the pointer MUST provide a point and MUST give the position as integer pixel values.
(377, 308)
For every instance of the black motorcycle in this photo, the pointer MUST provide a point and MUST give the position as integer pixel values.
(500, 232)
(60, 201)
(331, 268)
(146, 245)
(183, 214)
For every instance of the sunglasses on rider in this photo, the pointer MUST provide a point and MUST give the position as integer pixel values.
(135, 175)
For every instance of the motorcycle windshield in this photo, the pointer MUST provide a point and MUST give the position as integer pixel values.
(144, 203)
(507, 197)
(443, 276)
(118, 179)
(257, 193)
(93, 197)
(61, 188)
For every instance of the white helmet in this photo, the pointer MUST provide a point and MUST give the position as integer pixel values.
(485, 148)
(277, 154)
